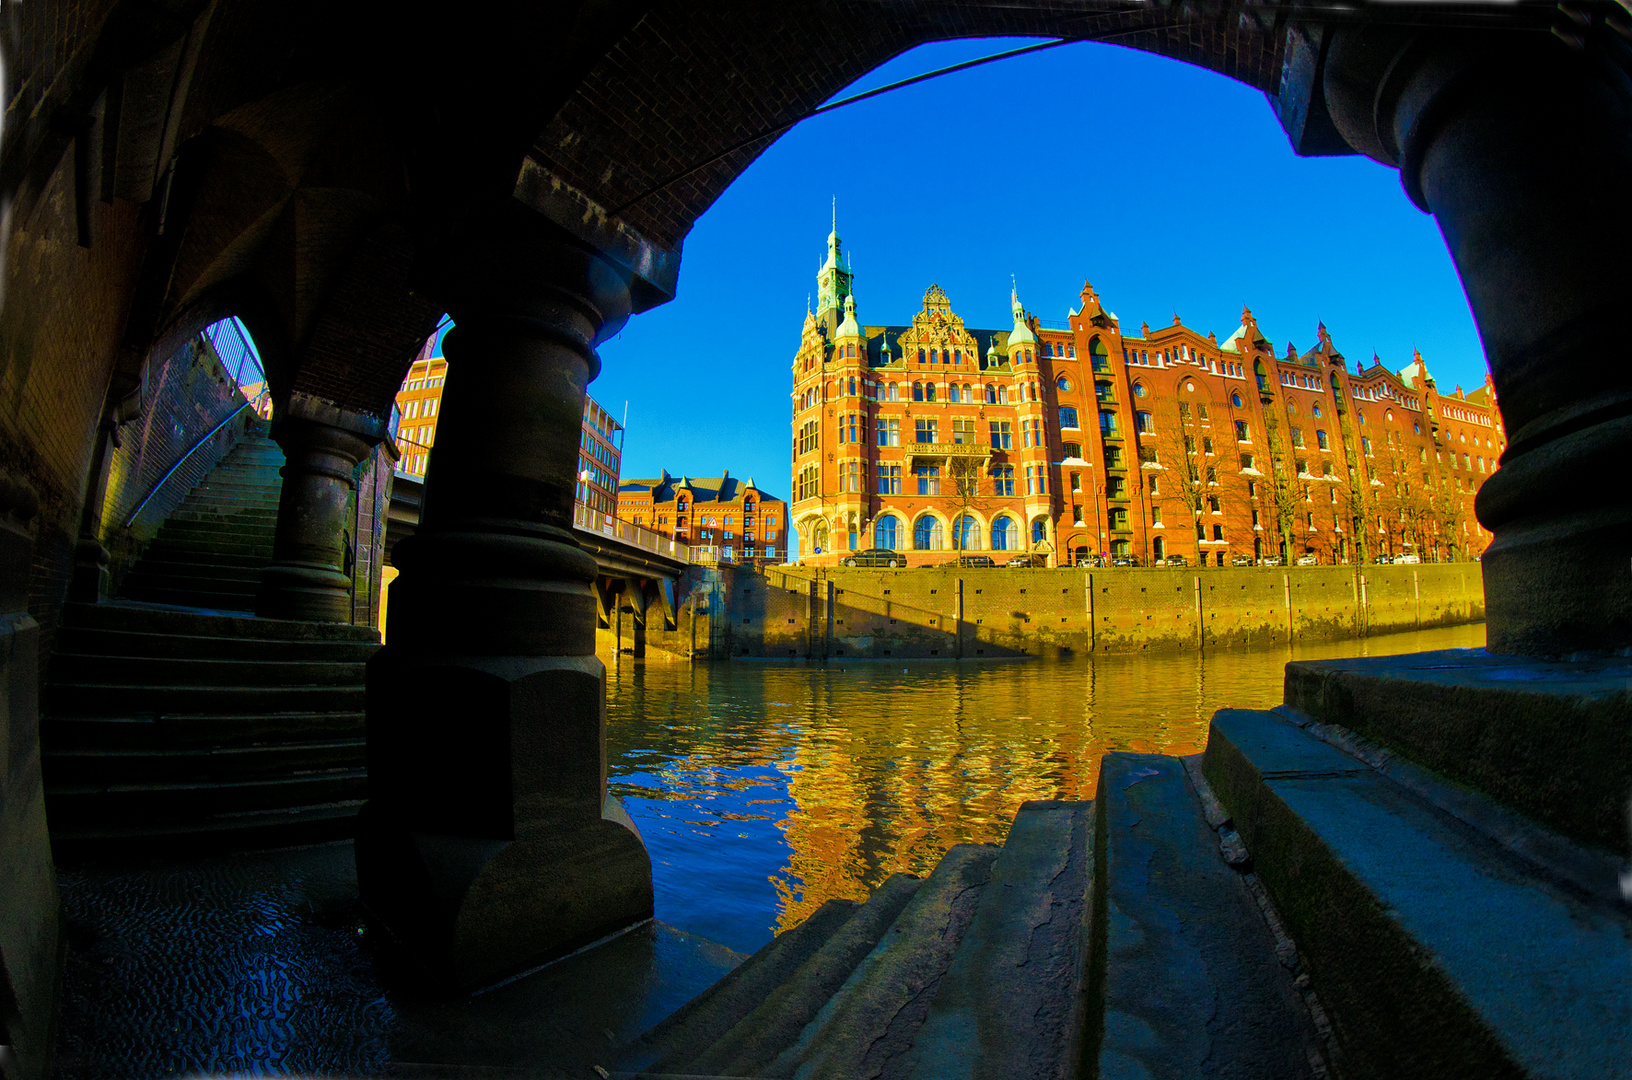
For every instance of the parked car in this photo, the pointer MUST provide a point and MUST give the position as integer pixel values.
(1385, 560)
(1125, 560)
(1024, 561)
(876, 557)
(1175, 560)
(1307, 560)
(972, 562)
(1089, 560)
(1409, 559)
(1271, 560)
(1242, 560)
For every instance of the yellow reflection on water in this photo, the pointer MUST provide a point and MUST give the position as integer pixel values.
(765, 789)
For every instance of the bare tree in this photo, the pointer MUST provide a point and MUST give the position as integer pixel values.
(1173, 446)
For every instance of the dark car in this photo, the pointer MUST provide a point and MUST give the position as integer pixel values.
(1023, 561)
(876, 557)
(1175, 560)
(972, 561)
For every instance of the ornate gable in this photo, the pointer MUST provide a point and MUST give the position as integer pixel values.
(937, 327)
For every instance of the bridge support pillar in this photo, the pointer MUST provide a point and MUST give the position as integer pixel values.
(312, 551)
(489, 844)
(1521, 147)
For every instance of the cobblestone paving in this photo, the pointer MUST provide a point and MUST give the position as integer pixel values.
(258, 964)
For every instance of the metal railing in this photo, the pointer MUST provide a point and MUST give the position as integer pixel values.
(237, 355)
(605, 524)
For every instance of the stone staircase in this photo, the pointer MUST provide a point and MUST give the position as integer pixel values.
(1294, 903)
(210, 552)
(173, 719)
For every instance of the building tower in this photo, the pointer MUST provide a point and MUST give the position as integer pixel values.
(832, 280)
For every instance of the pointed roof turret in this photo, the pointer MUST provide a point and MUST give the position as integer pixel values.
(849, 327)
(1021, 332)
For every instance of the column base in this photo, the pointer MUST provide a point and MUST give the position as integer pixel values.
(470, 911)
(304, 593)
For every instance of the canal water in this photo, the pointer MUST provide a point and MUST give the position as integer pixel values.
(764, 789)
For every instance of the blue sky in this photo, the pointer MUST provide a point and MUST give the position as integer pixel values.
(1173, 189)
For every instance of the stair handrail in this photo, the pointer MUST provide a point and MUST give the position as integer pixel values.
(182, 460)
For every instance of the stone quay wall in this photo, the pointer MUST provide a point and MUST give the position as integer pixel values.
(811, 613)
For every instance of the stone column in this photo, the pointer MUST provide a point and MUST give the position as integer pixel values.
(489, 844)
(309, 578)
(123, 402)
(1521, 147)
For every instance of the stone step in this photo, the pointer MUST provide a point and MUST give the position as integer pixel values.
(195, 730)
(113, 699)
(205, 599)
(698, 1024)
(82, 639)
(1494, 723)
(229, 568)
(214, 512)
(172, 765)
(867, 1028)
(132, 804)
(161, 620)
(80, 669)
(281, 827)
(753, 1040)
(183, 550)
(1438, 950)
(242, 581)
(1011, 1003)
(232, 531)
(1188, 979)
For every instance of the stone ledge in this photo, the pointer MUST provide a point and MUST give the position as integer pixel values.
(1438, 952)
(1551, 738)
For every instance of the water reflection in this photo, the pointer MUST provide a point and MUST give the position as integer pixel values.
(764, 789)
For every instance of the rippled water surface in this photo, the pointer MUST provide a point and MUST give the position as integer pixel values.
(765, 789)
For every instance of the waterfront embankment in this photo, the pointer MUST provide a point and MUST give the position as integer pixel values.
(952, 613)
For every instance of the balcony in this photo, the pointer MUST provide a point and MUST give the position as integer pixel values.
(944, 451)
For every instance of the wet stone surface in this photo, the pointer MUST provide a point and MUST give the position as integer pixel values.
(259, 963)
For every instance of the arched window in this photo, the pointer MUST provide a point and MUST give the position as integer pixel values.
(1258, 372)
(966, 534)
(818, 536)
(1099, 354)
(926, 534)
(884, 532)
(917, 391)
(1003, 534)
(852, 386)
(1158, 549)
(991, 394)
(929, 391)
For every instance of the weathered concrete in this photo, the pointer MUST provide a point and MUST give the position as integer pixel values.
(694, 1027)
(756, 1038)
(1011, 1004)
(1439, 952)
(1186, 968)
(1553, 738)
(868, 1027)
(795, 612)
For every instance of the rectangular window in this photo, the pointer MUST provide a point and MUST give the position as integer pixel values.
(889, 431)
(1184, 410)
(929, 479)
(1115, 488)
(1242, 432)
(1107, 422)
(1321, 440)
(1119, 518)
(1365, 445)
(1068, 416)
(925, 430)
(1155, 515)
(1003, 480)
(1076, 515)
(1002, 437)
(1297, 437)
(1144, 424)
(963, 431)
(1206, 446)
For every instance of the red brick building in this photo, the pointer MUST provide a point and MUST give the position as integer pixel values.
(600, 449)
(732, 520)
(1081, 442)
